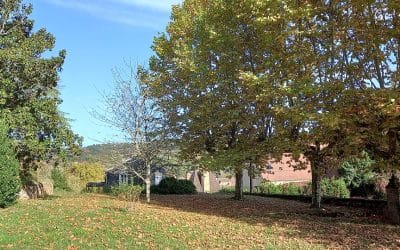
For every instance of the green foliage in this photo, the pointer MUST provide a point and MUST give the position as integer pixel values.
(227, 190)
(292, 189)
(59, 179)
(127, 192)
(10, 183)
(88, 172)
(358, 172)
(75, 184)
(332, 187)
(171, 185)
(196, 70)
(29, 94)
(267, 187)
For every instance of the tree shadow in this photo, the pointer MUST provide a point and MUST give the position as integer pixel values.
(334, 226)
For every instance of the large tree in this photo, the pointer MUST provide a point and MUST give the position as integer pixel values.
(306, 86)
(372, 53)
(195, 75)
(29, 96)
(338, 82)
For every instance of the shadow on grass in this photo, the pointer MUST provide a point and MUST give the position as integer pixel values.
(335, 226)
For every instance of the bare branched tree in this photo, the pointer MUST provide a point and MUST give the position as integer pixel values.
(137, 116)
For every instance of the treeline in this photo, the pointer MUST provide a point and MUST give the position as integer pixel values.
(240, 81)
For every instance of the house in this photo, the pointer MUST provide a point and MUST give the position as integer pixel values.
(125, 173)
(204, 181)
(286, 170)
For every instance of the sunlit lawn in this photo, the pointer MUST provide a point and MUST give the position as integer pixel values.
(93, 221)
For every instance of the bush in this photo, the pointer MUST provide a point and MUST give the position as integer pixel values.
(59, 179)
(334, 188)
(74, 183)
(227, 190)
(359, 175)
(88, 172)
(267, 187)
(127, 192)
(171, 185)
(291, 189)
(10, 183)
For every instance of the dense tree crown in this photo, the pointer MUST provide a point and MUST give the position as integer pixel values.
(239, 79)
(29, 96)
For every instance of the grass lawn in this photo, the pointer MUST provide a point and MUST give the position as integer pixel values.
(93, 221)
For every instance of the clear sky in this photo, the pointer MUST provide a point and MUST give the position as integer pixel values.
(98, 35)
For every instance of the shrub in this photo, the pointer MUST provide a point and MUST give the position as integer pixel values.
(74, 183)
(10, 183)
(267, 187)
(171, 185)
(291, 189)
(228, 190)
(334, 188)
(59, 179)
(88, 172)
(127, 192)
(186, 187)
(357, 172)
(359, 175)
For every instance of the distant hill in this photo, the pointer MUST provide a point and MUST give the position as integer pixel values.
(109, 154)
(113, 154)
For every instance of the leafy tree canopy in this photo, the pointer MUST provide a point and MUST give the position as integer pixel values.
(29, 96)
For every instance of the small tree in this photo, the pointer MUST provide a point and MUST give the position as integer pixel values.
(137, 116)
(10, 183)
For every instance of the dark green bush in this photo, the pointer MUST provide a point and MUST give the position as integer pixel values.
(186, 187)
(10, 183)
(171, 185)
(59, 179)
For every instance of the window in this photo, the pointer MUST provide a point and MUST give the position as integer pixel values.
(269, 169)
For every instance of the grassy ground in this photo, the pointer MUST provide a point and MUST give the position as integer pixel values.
(93, 221)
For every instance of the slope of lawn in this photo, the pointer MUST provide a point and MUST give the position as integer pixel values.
(93, 221)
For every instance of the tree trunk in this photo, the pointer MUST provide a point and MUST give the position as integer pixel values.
(251, 185)
(148, 182)
(239, 185)
(251, 174)
(316, 185)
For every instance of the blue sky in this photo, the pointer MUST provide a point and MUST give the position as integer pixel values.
(98, 35)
